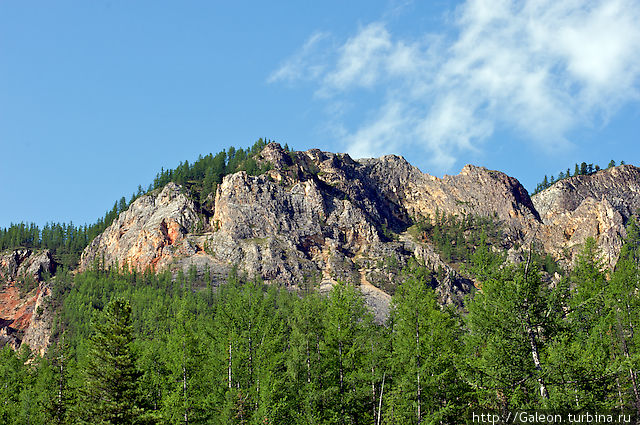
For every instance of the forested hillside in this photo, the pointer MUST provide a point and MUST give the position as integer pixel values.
(145, 348)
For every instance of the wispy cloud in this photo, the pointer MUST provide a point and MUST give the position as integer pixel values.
(304, 65)
(540, 67)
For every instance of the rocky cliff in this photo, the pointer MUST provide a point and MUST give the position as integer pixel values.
(596, 205)
(25, 316)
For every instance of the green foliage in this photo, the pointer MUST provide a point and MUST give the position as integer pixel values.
(583, 169)
(109, 394)
(426, 340)
(457, 238)
(207, 172)
(510, 322)
(180, 350)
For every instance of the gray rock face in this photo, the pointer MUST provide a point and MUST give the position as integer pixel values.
(25, 263)
(149, 234)
(595, 206)
(620, 186)
(38, 331)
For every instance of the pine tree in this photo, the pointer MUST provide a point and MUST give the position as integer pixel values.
(304, 359)
(184, 402)
(580, 355)
(109, 395)
(343, 350)
(13, 379)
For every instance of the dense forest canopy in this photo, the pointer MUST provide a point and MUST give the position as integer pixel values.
(248, 353)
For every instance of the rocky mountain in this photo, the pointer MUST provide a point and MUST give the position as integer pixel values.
(316, 217)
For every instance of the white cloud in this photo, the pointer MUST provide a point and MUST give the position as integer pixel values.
(539, 67)
(361, 59)
(391, 127)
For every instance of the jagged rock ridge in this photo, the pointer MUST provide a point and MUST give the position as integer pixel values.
(597, 206)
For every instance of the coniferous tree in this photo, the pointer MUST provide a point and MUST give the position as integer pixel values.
(110, 395)
(343, 351)
(624, 306)
(14, 378)
(185, 401)
(583, 168)
(579, 355)
(304, 360)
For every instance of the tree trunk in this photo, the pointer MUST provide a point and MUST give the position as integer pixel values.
(536, 361)
(626, 349)
(373, 385)
(632, 375)
(229, 369)
(308, 364)
(184, 385)
(380, 403)
(418, 369)
(250, 357)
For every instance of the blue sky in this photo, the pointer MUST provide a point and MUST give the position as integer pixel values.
(96, 97)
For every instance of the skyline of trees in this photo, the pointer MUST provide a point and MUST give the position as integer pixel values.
(583, 169)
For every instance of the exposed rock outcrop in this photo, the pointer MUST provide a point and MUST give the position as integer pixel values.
(596, 205)
(317, 217)
(26, 264)
(151, 233)
(24, 313)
